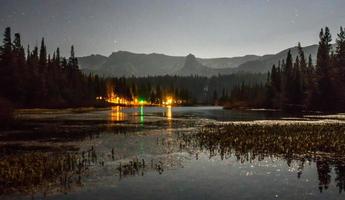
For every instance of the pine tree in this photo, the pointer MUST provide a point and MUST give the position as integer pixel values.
(6, 48)
(57, 58)
(276, 86)
(43, 56)
(42, 67)
(286, 81)
(340, 69)
(6, 66)
(20, 70)
(73, 61)
(310, 84)
(303, 71)
(297, 90)
(324, 91)
(270, 91)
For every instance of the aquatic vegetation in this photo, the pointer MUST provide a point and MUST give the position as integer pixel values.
(46, 156)
(287, 140)
(44, 171)
(26, 173)
(321, 143)
(133, 167)
(136, 167)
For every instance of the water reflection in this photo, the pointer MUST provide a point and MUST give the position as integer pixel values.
(117, 114)
(212, 156)
(169, 113)
(124, 155)
(137, 114)
(321, 144)
(169, 117)
(141, 110)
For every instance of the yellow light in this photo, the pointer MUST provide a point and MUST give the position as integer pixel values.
(169, 101)
(169, 113)
(117, 114)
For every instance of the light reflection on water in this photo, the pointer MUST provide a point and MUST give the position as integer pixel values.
(117, 114)
(169, 112)
(202, 170)
(121, 114)
(141, 114)
(198, 168)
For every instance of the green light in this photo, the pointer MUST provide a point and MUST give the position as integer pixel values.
(142, 114)
(141, 101)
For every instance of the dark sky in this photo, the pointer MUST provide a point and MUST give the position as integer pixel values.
(206, 28)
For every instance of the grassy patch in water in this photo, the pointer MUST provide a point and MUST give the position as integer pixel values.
(287, 140)
(44, 172)
(322, 144)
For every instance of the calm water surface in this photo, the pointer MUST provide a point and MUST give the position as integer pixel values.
(121, 140)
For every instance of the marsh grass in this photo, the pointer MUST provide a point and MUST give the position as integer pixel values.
(320, 143)
(46, 172)
(138, 167)
(31, 170)
(309, 140)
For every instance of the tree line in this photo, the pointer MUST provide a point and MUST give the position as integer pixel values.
(189, 89)
(37, 79)
(34, 78)
(300, 84)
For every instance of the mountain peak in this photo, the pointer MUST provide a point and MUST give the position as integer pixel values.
(125, 63)
(190, 58)
(193, 67)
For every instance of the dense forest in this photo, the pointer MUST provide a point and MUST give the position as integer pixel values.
(191, 90)
(37, 79)
(34, 78)
(297, 84)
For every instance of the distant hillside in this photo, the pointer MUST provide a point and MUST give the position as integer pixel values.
(92, 62)
(193, 67)
(264, 63)
(221, 63)
(124, 63)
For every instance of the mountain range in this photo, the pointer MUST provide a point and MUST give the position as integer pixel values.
(124, 63)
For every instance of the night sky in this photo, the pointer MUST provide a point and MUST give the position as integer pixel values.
(206, 28)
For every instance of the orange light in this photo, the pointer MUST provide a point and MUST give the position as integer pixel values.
(117, 114)
(169, 113)
(169, 101)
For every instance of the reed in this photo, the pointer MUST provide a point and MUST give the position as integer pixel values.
(44, 171)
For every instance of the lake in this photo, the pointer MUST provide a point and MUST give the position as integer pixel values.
(172, 153)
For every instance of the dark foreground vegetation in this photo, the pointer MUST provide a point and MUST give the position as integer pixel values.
(36, 159)
(50, 166)
(299, 84)
(6, 111)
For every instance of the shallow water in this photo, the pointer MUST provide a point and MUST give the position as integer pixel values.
(179, 163)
